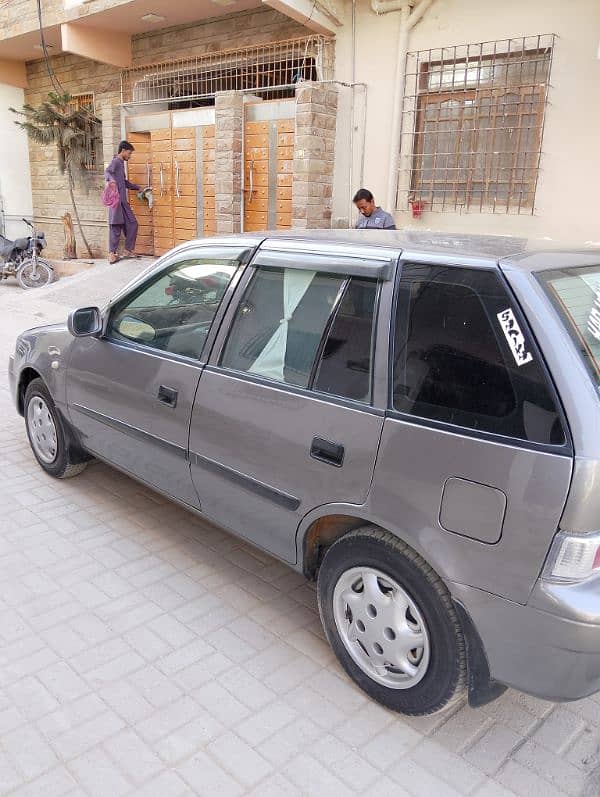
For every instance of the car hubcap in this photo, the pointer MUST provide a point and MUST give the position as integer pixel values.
(42, 430)
(381, 627)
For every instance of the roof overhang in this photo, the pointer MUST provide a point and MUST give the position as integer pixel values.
(105, 35)
(320, 17)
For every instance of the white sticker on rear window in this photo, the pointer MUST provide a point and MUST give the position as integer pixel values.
(594, 317)
(514, 337)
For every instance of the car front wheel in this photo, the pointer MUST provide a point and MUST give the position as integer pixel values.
(46, 433)
(391, 622)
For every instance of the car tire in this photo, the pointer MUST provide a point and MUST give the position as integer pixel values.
(46, 433)
(391, 623)
(44, 274)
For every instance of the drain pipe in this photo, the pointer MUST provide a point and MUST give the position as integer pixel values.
(411, 11)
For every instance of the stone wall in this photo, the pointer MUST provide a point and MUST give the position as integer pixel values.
(229, 111)
(79, 75)
(314, 152)
(49, 188)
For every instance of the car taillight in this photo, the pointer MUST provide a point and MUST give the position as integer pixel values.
(573, 557)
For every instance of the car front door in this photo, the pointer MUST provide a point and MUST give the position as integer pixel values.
(284, 418)
(130, 391)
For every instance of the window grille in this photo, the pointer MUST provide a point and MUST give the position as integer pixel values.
(269, 69)
(472, 126)
(85, 102)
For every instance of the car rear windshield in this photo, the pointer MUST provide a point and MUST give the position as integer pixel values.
(575, 292)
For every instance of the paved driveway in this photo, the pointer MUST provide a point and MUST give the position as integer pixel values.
(145, 653)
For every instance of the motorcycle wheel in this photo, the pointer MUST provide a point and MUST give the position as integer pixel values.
(28, 278)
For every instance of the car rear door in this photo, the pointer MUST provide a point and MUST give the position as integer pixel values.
(130, 392)
(284, 419)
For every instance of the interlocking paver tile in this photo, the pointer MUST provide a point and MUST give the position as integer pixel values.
(98, 775)
(57, 782)
(240, 759)
(207, 778)
(28, 751)
(287, 743)
(134, 757)
(492, 749)
(184, 741)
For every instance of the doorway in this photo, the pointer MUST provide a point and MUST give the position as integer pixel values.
(175, 156)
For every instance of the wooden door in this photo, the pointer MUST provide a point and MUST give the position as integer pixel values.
(185, 202)
(285, 170)
(268, 169)
(139, 170)
(256, 176)
(209, 222)
(162, 190)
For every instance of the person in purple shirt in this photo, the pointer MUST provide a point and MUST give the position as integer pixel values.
(121, 219)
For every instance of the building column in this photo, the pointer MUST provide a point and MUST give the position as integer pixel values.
(110, 116)
(314, 153)
(229, 109)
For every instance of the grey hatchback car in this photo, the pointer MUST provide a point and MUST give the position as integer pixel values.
(411, 420)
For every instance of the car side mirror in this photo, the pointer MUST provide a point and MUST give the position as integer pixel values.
(85, 321)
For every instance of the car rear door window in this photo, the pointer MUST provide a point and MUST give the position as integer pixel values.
(174, 310)
(279, 324)
(462, 356)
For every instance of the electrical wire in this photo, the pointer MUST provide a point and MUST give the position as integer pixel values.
(57, 85)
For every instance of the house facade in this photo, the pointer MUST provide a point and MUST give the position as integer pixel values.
(262, 114)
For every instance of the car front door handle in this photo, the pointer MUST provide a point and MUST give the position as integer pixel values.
(167, 395)
(326, 451)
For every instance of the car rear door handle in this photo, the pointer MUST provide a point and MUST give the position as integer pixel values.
(326, 451)
(167, 395)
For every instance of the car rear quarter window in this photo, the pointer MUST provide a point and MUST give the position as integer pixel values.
(462, 356)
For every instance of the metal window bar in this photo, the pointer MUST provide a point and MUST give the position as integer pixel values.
(86, 102)
(472, 126)
(268, 69)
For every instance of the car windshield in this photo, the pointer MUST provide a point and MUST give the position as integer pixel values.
(575, 292)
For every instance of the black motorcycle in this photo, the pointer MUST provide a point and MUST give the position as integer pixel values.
(21, 259)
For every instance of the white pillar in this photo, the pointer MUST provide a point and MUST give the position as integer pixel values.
(15, 172)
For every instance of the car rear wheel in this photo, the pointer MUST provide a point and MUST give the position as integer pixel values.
(46, 433)
(391, 622)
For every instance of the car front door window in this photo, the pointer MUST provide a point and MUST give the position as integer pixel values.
(174, 311)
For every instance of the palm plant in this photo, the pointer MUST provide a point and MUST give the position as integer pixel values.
(74, 132)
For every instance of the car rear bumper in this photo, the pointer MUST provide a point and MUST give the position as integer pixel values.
(549, 648)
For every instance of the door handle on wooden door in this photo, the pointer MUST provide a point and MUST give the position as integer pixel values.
(162, 180)
(177, 193)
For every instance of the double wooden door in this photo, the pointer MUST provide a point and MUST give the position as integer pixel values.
(174, 187)
(268, 169)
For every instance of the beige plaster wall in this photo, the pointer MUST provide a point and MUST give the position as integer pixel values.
(568, 195)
